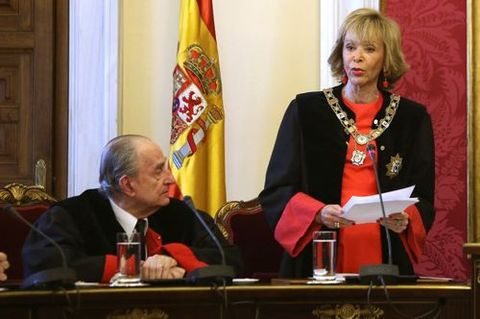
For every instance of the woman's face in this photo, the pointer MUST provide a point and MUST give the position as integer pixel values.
(362, 60)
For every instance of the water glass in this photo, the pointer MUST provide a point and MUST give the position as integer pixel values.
(128, 259)
(324, 255)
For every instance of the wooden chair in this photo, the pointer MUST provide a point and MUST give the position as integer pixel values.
(243, 224)
(30, 202)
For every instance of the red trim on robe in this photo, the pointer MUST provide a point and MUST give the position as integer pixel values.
(296, 225)
(153, 241)
(180, 252)
(414, 236)
(184, 256)
(110, 268)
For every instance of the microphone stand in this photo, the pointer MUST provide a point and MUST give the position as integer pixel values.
(381, 273)
(59, 277)
(211, 273)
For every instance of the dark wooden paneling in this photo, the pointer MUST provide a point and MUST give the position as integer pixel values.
(33, 89)
(16, 15)
(16, 79)
(43, 85)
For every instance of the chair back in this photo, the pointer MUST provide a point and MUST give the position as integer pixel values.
(30, 202)
(243, 223)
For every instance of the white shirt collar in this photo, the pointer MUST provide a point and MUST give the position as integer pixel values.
(125, 219)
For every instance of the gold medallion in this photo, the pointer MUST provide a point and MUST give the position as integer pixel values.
(361, 139)
(358, 157)
(395, 165)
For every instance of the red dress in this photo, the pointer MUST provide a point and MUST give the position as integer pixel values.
(359, 244)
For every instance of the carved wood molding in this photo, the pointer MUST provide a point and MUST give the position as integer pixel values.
(476, 272)
(221, 219)
(18, 194)
(473, 45)
(348, 311)
(229, 209)
(137, 313)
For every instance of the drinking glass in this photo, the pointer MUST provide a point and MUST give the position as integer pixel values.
(128, 259)
(324, 255)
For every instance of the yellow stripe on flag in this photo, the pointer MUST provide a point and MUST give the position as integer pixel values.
(197, 156)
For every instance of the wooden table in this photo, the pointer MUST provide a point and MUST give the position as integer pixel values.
(282, 300)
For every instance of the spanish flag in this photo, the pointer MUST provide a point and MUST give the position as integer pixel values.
(197, 157)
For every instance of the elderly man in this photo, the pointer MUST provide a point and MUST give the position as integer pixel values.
(134, 181)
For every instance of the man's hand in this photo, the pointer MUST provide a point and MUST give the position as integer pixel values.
(4, 264)
(161, 267)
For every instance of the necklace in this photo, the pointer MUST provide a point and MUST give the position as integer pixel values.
(350, 127)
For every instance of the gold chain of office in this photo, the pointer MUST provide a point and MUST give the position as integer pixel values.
(349, 124)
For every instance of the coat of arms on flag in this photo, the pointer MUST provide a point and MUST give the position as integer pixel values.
(189, 90)
(197, 141)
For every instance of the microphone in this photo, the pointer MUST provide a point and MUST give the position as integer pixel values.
(61, 277)
(211, 273)
(387, 273)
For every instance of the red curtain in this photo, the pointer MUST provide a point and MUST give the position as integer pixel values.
(434, 42)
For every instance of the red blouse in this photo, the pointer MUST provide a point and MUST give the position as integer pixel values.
(361, 244)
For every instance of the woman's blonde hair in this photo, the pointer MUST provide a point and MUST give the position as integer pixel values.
(369, 24)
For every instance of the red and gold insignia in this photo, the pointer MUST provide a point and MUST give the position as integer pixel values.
(193, 109)
(188, 104)
(202, 70)
(394, 167)
(192, 88)
(196, 135)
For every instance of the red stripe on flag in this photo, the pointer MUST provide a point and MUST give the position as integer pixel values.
(206, 12)
(191, 141)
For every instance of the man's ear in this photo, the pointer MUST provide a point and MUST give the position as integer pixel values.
(125, 184)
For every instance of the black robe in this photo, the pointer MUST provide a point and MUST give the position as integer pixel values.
(85, 227)
(309, 156)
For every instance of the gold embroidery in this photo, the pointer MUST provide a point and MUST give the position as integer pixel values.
(395, 165)
(348, 311)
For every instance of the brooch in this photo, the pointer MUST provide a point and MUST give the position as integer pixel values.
(395, 165)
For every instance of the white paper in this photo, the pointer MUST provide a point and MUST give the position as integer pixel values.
(367, 209)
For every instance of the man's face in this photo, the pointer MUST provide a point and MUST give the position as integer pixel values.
(150, 185)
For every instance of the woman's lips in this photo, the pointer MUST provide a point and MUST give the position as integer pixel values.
(358, 72)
